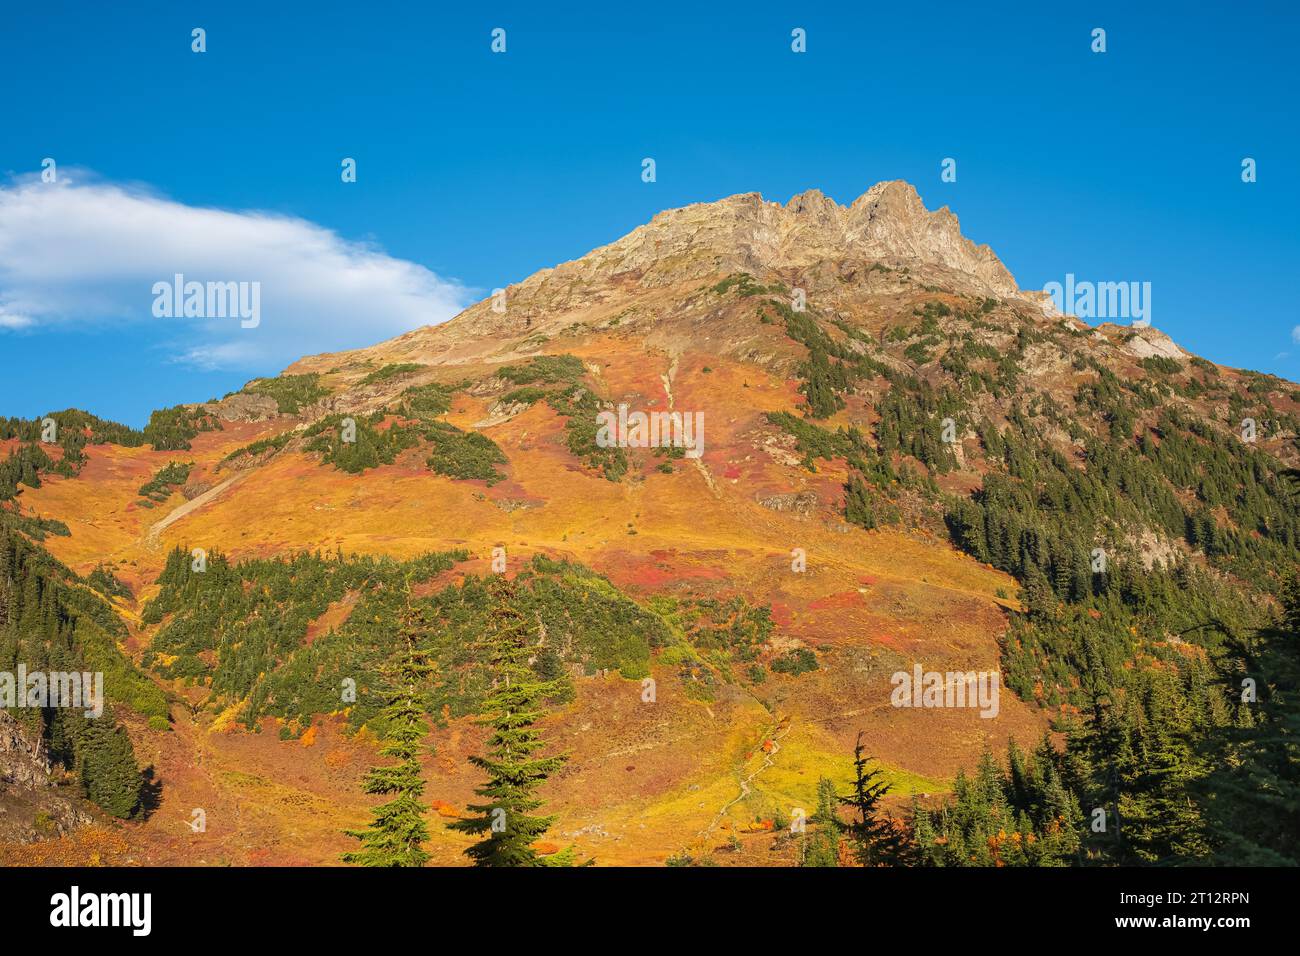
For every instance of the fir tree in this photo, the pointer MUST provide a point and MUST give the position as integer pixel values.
(823, 846)
(1256, 810)
(1024, 816)
(396, 835)
(506, 822)
(924, 836)
(877, 840)
(857, 502)
(109, 773)
(1157, 771)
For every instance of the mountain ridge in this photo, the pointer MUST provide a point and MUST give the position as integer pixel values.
(888, 224)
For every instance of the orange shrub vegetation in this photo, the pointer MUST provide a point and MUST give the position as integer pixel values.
(86, 846)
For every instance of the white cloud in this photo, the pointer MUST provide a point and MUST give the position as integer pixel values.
(85, 251)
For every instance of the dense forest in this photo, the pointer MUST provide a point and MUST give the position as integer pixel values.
(53, 622)
(1158, 771)
(240, 630)
(1156, 552)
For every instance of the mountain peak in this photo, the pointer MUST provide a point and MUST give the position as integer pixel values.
(887, 223)
(799, 243)
(892, 191)
(811, 200)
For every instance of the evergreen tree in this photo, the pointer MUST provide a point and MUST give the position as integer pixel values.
(857, 502)
(877, 840)
(1023, 816)
(506, 822)
(1256, 788)
(822, 848)
(109, 774)
(925, 839)
(1157, 768)
(396, 835)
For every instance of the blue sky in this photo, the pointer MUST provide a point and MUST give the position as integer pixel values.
(475, 169)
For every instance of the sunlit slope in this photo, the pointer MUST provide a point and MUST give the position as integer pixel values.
(822, 346)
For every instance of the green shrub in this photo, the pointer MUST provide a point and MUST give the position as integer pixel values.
(795, 662)
(372, 446)
(291, 392)
(274, 443)
(459, 454)
(170, 429)
(427, 401)
(545, 370)
(391, 371)
(1161, 365)
(103, 581)
(161, 486)
(240, 629)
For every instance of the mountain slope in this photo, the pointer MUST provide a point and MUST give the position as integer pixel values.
(879, 399)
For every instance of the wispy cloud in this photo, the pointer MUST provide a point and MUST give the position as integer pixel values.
(82, 250)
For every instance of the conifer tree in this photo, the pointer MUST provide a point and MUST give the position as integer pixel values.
(396, 835)
(1256, 816)
(857, 502)
(506, 820)
(109, 773)
(877, 840)
(822, 847)
(924, 836)
(1156, 772)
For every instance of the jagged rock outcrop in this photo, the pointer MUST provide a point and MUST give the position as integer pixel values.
(23, 762)
(802, 503)
(745, 233)
(245, 407)
(811, 241)
(31, 807)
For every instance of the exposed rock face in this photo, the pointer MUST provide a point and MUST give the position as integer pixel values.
(801, 503)
(1151, 343)
(744, 233)
(811, 238)
(31, 807)
(502, 412)
(196, 488)
(23, 763)
(243, 407)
